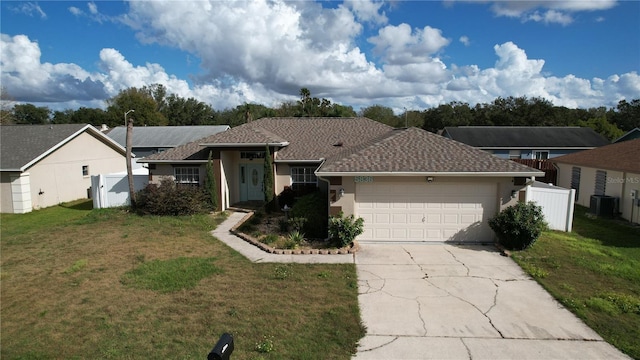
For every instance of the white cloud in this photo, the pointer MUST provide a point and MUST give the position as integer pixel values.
(368, 10)
(265, 51)
(465, 40)
(545, 11)
(550, 17)
(93, 8)
(75, 11)
(30, 9)
(402, 45)
(26, 78)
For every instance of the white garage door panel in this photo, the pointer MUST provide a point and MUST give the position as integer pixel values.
(426, 212)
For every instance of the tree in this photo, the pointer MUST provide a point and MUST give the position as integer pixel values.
(305, 102)
(210, 184)
(181, 111)
(627, 116)
(603, 127)
(381, 114)
(138, 99)
(6, 107)
(30, 114)
(267, 183)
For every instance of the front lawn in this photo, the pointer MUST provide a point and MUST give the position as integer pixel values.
(106, 284)
(595, 272)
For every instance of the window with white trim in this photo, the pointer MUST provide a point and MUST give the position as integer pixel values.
(541, 155)
(188, 175)
(302, 178)
(85, 170)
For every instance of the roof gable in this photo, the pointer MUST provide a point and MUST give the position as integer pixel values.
(630, 135)
(622, 156)
(23, 145)
(527, 136)
(415, 150)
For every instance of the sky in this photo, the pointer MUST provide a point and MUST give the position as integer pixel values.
(406, 55)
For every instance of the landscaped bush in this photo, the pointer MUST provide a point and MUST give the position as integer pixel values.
(313, 207)
(297, 223)
(518, 227)
(171, 199)
(343, 230)
(286, 197)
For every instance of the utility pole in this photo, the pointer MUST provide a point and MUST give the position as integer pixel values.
(132, 193)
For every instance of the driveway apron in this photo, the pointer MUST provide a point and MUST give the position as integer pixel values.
(441, 301)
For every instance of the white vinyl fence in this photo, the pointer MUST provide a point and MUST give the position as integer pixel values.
(556, 203)
(112, 190)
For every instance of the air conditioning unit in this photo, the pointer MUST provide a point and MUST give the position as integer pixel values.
(603, 205)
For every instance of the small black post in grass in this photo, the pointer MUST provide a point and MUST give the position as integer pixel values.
(223, 349)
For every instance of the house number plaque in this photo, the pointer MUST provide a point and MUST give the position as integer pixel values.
(363, 179)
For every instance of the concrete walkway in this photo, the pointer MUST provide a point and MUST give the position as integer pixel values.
(441, 301)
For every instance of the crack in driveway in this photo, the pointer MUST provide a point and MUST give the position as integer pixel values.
(484, 313)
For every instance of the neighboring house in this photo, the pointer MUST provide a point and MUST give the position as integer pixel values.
(148, 140)
(408, 184)
(527, 142)
(44, 165)
(630, 135)
(612, 170)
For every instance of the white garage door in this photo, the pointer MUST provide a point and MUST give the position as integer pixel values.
(426, 211)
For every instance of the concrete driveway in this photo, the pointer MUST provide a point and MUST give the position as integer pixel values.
(462, 302)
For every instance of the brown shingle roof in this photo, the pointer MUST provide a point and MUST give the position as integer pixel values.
(623, 156)
(307, 138)
(416, 150)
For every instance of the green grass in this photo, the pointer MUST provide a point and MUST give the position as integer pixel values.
(107, 284)
(595, 272)
(170, 275)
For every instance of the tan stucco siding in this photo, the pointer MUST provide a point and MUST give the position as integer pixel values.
(58, 177)
(6, 200)
(618, 184)
(349, 200)
(282, 177)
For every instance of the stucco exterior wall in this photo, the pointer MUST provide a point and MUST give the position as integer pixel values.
(58, 177)
(618, 184)
(6, 200)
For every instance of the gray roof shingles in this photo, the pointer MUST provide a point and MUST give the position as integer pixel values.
(164, 136)
(309, 138)
(527, 136)
(417, 150)
(21, 144)
(622, 156)
(352, 145)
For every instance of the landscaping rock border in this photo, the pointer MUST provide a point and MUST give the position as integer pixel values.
(264, 247)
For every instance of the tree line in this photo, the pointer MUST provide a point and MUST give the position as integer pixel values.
(154, 106)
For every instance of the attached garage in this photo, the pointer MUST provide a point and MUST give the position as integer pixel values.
(425, 212)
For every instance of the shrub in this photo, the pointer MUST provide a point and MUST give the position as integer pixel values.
(296, 237)
(283, 225)
(171, 199)
(518, 227)
(286, 197)
(343, 230)
(270, 239)
(297, 223)
(313, 207)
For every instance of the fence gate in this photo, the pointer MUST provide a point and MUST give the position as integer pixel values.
(556, 203)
